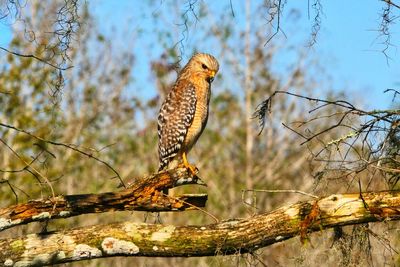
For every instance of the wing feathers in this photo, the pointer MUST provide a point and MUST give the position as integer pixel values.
(176, 116)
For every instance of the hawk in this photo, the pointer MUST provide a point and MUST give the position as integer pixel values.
(184, 113)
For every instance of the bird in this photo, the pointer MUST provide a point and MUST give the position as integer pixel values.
(184, 112)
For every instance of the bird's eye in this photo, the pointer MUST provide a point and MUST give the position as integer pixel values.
(204, 66)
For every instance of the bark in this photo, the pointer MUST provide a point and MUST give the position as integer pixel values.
(227, 237)
(143, 195)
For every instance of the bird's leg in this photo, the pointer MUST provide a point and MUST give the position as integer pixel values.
(193, 169)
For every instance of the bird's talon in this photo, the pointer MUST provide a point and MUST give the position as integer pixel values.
(193, 170)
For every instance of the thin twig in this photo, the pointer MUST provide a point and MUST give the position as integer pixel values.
(70, 146)
(34, 57)
(193, 206)
(278, 26)
(232, 11)
(391, 3)
(30, 166)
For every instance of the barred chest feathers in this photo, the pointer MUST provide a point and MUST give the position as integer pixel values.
(200, 117)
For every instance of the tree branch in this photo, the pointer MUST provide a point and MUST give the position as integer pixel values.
(143, 195)
(227, 237)
(69, 146)
(391, 3)
(35, 57)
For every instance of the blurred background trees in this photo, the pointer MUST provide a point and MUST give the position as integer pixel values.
(89, 98)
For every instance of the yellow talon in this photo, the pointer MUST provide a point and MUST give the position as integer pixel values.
(193, 169)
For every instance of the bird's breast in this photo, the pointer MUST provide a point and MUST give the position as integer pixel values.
(199, 121)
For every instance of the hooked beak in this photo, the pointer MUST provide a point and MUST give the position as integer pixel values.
(212, 75)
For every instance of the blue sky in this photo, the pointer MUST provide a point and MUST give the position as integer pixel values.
(350, 38)
(348, 44)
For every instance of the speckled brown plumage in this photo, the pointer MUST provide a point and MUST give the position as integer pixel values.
(183, 115)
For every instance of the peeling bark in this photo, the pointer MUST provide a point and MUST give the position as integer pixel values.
(143, 195)
(227, 237)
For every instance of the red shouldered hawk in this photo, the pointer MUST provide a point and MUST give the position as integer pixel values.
(183, 115)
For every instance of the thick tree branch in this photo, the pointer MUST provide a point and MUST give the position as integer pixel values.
(143, 195)
(227, 237)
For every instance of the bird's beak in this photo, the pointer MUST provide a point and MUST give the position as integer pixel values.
(212, 75)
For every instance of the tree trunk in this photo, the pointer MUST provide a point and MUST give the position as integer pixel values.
(227, 237)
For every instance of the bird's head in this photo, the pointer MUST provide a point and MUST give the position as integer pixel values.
(204, 66)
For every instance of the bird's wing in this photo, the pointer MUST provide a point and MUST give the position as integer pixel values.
(175, 117)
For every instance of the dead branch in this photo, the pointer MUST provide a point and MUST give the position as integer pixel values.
(353, 141)
(391, 3)
(227, 237)
(265, 107)
(275, 11)
(68, 146)
(35, 57)
(143, 195)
